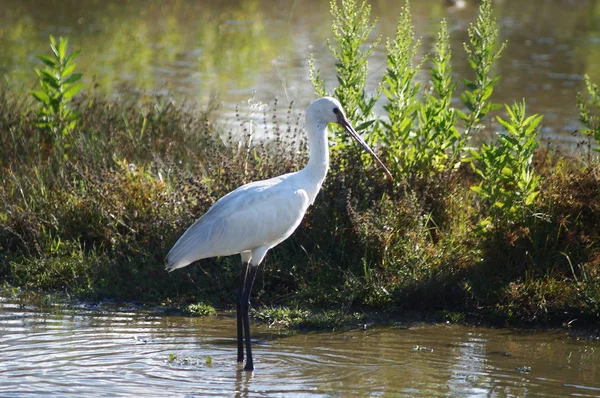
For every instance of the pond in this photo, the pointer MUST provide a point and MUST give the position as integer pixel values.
(236, 50)
(86, 350)
(239, 49)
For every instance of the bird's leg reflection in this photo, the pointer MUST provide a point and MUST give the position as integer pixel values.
(241, 384)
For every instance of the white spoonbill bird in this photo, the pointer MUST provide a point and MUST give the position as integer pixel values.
(258, 216)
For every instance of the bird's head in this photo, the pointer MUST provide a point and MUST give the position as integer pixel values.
(329, 110)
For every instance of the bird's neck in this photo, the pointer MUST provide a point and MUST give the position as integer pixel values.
(318, 146)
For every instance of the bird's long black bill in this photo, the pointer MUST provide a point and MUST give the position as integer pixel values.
(358, 138)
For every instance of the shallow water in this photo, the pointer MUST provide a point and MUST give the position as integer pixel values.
(102, 350)
(238, 49)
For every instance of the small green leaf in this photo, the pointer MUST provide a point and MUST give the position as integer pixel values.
(62, 48)
(49, 78)
(364, 125)
(499, 204)
(68, 70)
(41, 96)
(477, 189)
(72, 56)
(507, 125)
(507, 172)
(74, 116)
(52, 41)
(55, 51)
(47, 60)
(73, 78)
(461, 115)
(531, 198)
(533, 122)
(72, 91)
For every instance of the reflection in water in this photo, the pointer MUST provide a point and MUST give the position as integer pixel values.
(86, 350)
(241, 48)
(242, 380)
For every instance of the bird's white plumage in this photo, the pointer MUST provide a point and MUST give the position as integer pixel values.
(256, 215)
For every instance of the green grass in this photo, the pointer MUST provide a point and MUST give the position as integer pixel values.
(294, 318)
(95, 216)
(99, 226)
(200, 309)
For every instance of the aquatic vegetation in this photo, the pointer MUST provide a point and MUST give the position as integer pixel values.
(281, 316)
(505, 229)
(294, 318)
(200, 309)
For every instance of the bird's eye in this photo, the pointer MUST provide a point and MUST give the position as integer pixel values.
(336, 110)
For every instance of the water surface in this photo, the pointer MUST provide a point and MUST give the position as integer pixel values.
(238, 49)
(101, 350)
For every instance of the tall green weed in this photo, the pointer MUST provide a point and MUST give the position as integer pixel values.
(421, 132)
(59, 83)
(351, 29)
(508, 182)
(589, 111)
(481, 56)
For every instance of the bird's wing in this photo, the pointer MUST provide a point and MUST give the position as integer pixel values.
(262, 213)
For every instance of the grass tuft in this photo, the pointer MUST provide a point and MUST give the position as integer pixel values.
(200, 309)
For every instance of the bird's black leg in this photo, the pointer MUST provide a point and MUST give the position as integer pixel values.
(239, 306)
(245, 303)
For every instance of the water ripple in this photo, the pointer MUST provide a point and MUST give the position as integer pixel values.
(91, 351)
